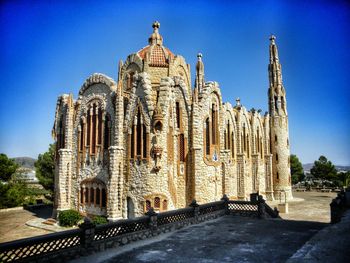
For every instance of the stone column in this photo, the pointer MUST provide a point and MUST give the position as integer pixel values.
(63, 173)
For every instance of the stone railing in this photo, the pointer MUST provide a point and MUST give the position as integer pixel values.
(89, 238)
(339, 205)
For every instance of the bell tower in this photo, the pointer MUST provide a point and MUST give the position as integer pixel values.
(279, 136)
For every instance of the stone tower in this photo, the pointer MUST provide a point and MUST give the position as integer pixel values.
(278, 127)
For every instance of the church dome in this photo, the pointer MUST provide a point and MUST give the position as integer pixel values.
(155, 53)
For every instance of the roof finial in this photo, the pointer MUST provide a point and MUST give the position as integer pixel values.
(238, 102)
(155, 38)
(272, 39)
(156, 26)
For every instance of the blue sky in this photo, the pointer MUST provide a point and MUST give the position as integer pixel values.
(51, 47)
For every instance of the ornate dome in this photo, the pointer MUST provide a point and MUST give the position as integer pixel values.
(155, 53)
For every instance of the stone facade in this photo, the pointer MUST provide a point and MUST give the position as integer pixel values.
(151, 140)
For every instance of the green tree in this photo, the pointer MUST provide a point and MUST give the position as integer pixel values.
(12, 194)
(324, 169)
(344, 177)
(296, 169)
(45, 168)
(7, 167)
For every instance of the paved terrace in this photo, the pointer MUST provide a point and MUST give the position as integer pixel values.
(226, 239)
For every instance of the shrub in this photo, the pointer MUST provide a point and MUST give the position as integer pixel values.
(69, 217)
(99, 220)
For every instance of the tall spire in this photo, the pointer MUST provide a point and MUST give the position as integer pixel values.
(155, 38)
(275, 70)
(199, 82)
(273, 50)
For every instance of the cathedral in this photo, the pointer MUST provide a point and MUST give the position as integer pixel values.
(152, 139)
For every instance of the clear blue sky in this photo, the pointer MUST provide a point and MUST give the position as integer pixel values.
(51, 47)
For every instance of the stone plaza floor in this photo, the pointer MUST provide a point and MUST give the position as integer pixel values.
(226, 239)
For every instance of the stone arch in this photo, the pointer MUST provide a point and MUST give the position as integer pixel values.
(97, 78)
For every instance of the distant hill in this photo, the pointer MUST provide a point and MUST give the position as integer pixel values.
(308, 166)
(26, 162)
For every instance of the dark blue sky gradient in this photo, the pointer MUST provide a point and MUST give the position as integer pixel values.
(51, 47)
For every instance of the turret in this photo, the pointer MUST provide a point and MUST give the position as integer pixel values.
(278, 127)
(199, 82)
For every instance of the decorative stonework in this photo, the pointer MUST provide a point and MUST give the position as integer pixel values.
(150, 137)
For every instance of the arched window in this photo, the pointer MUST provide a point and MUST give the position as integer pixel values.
(156, 202)
(94, 134)
(212, 134)
(148, 205)
(139, 138)
(165, 205)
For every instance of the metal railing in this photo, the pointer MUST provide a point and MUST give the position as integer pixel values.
(89, 238)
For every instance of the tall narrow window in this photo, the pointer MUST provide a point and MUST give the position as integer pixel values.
(257, 141)
(61, 135)
(276, 102)
(86, 195)
(148, 205)
(144, 139)
(107, 133)
(178, 115)
(130, 79)
(93, 144)
(104, 198)
(132, 143)
(81, 195)
(182, 148)
(81, 135)
(138, 134)
(276, 157)
(156, 202)
(207, 137)
(213, 124)
(232, 145)
(92, 195)
(88, 128)
(225, 140)
(165, 205)
(100, 123)
(244, 139)
(228, 135)
(98, 200)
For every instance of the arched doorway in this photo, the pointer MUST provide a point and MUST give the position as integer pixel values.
(131, 208)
